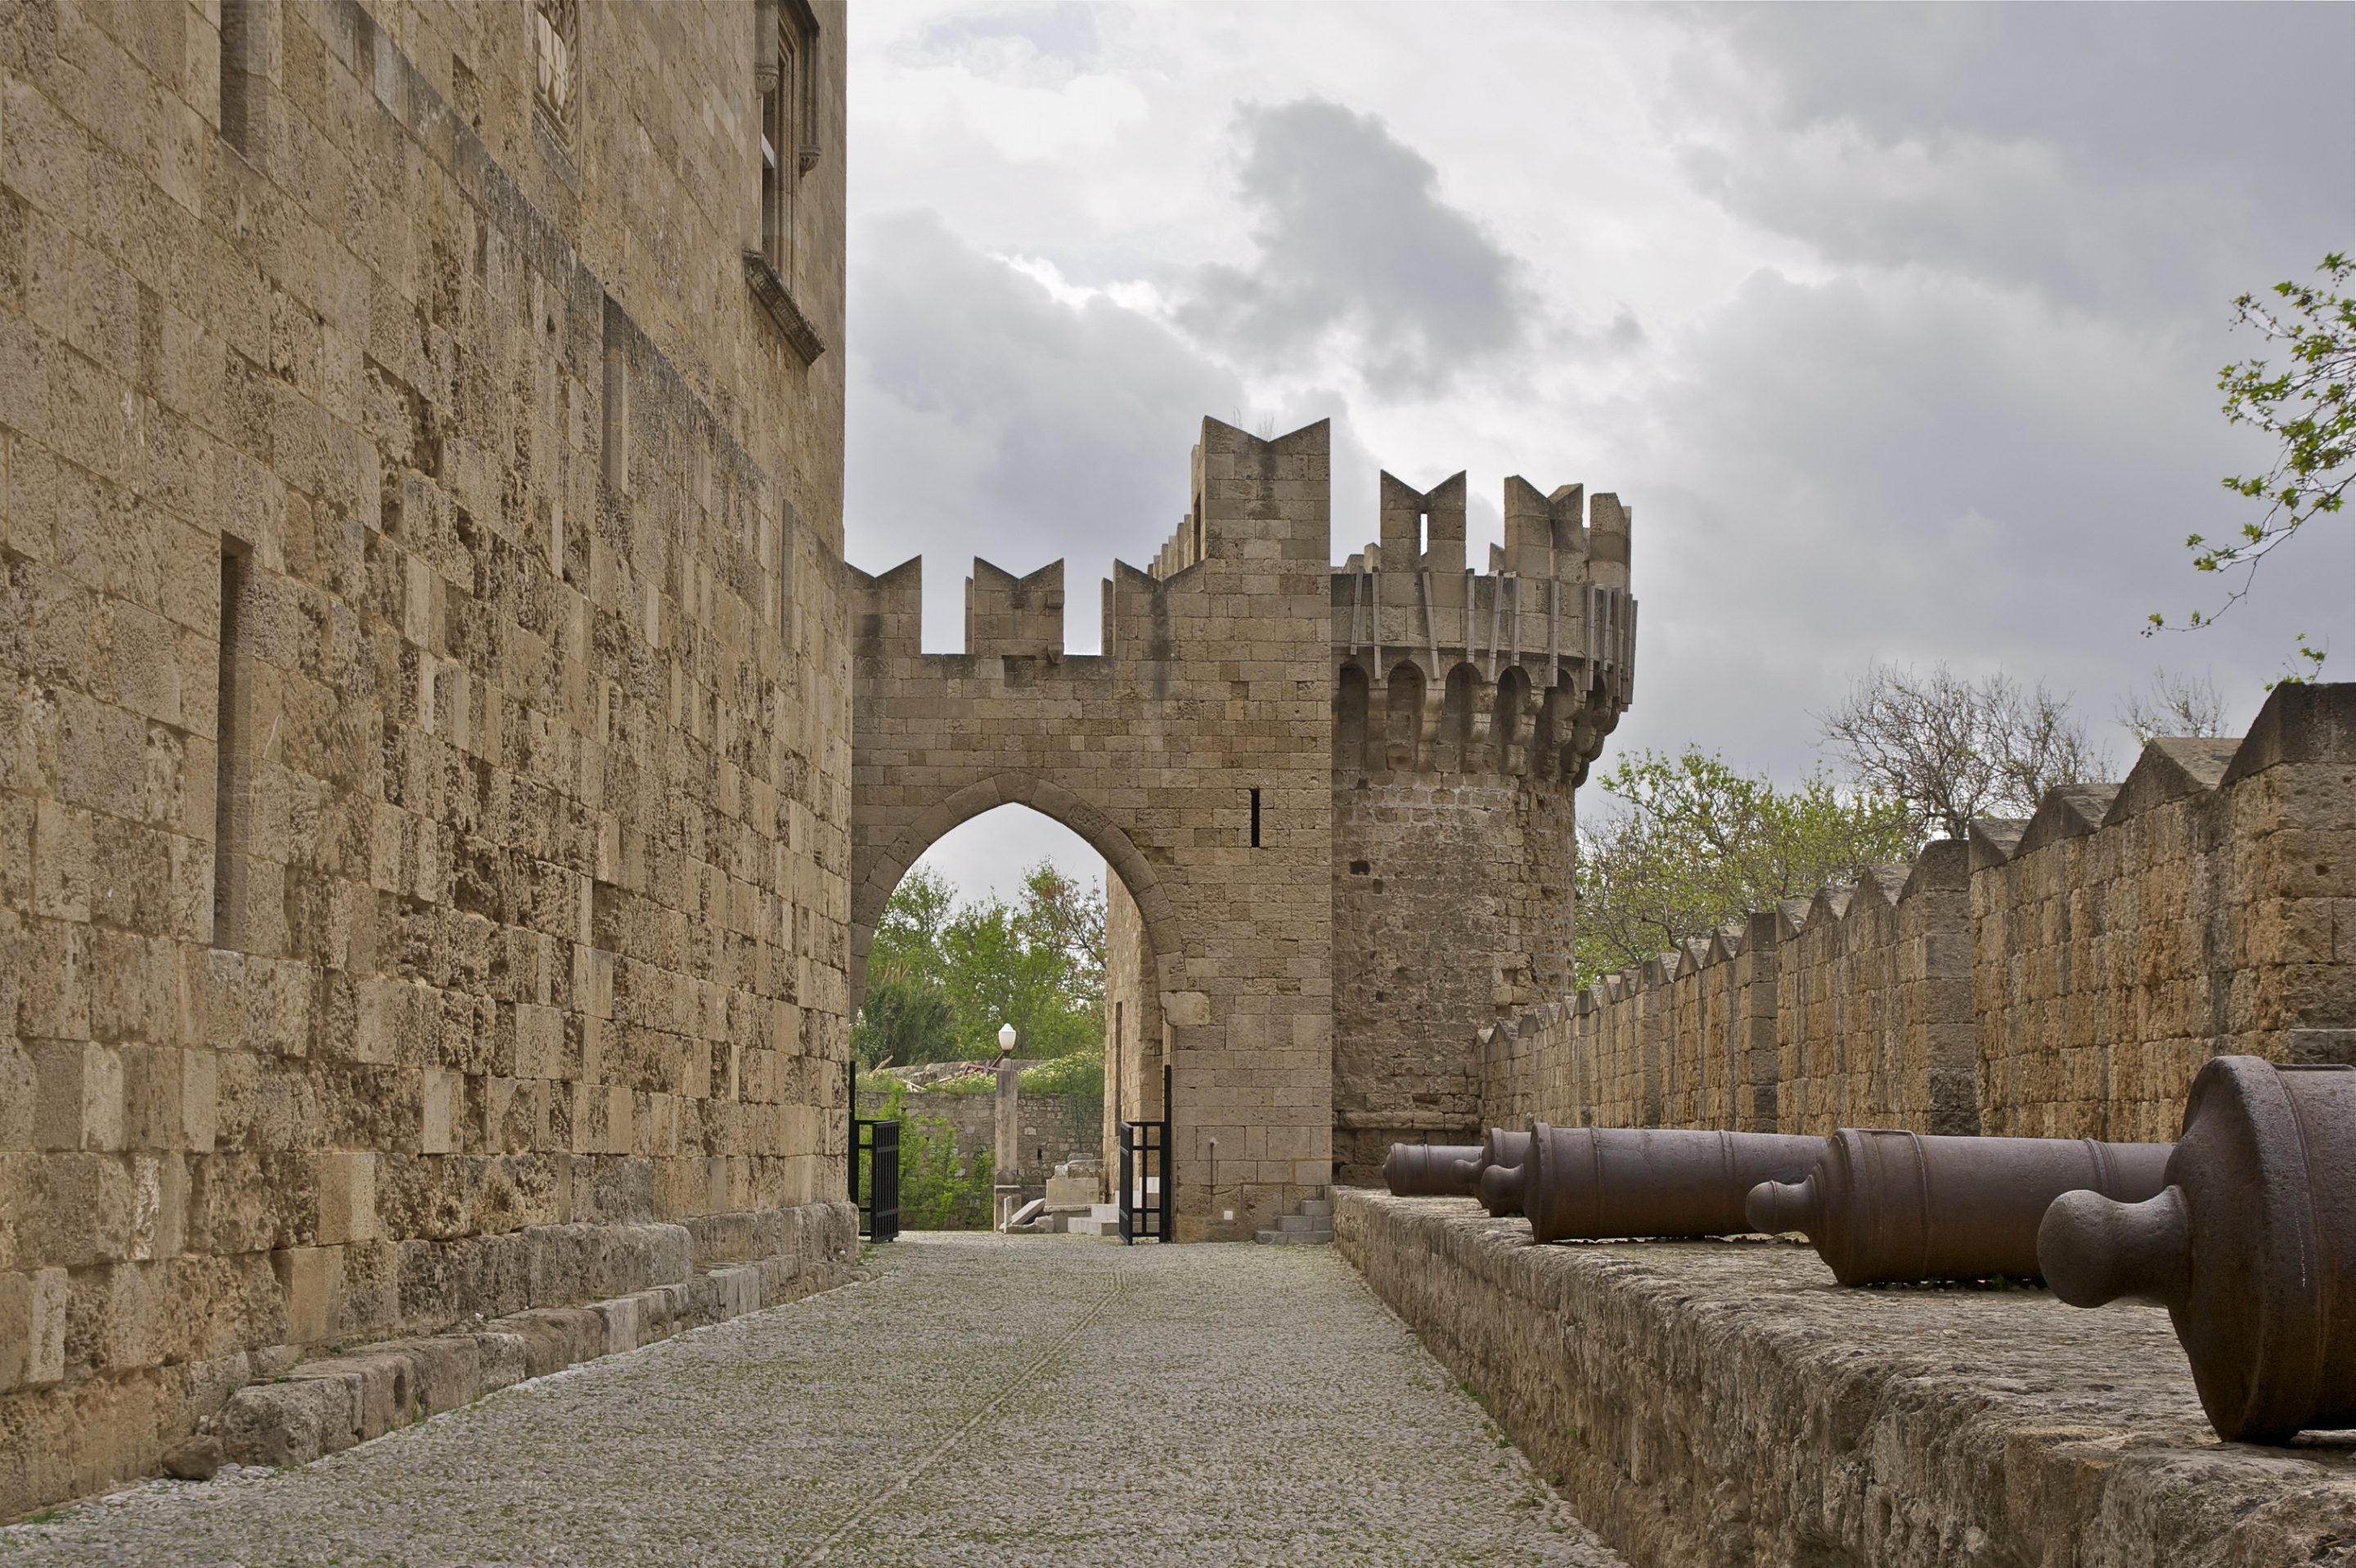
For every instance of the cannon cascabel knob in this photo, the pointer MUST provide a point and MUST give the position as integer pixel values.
(1776, 1207)
(1502, 1189)
(1500, 1150)
(1582, 1183)
(1897, 1206)
(2093, 1249)
(2253, 1247)
(1430, 1170)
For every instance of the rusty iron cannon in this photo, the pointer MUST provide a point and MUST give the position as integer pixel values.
(1498, 1173)
(1580, 1183)
(1888, 1207)
(2250, 1244)
(1432, 1170)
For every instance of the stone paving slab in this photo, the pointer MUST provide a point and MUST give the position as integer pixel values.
(990, 1399)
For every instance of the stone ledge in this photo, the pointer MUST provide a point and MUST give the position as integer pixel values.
(1726, 1402)
(325, 1406)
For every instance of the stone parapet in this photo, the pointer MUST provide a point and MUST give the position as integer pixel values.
(2060, 978)
(1725, 1403)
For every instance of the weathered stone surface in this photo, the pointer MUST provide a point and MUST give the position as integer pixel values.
(2063, 977)
(196, 1458)
(1726, 1402)
(424, 691)
(1295, 1421)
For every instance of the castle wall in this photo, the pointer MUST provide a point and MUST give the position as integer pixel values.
(2062, 978)
(1212, 686)
(424, 679)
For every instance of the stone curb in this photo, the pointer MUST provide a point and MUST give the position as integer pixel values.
(327, 1405)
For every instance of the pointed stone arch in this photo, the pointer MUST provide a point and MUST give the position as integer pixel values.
(883, 873)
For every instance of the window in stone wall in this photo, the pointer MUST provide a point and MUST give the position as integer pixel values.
(789, 146)
(234, 754)
(237, 53)
(556, 30)
(785, 75)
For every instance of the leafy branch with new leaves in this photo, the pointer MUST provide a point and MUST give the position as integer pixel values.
(2306, 405)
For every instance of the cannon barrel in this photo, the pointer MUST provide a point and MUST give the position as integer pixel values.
(2251, 1246)
(1587, 1182)
(1498, 1175)
(1432, 1170)
(1893, 1206)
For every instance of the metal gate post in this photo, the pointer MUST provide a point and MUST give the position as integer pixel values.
(1161, 1232)
(1125, 1194)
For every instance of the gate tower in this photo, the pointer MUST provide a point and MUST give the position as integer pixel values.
(1315, 895)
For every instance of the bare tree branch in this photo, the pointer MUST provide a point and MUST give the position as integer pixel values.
(1953, 749)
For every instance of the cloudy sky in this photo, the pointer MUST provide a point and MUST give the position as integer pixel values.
(1898, 328)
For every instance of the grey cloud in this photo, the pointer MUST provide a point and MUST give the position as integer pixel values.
(1891, 469)
(1355, 245)
(2111, 157)
(987, 418)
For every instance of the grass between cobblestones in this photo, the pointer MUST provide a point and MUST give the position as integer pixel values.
(984, 1400)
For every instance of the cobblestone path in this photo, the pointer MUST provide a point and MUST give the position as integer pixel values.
(986, 1400)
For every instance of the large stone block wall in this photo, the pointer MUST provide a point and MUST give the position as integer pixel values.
(424, 693)
(2062, 978)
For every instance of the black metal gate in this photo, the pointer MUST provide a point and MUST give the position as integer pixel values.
(1146, 1182)
(879, 1206)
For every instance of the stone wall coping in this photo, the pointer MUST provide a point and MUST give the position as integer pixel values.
(1724, 1401)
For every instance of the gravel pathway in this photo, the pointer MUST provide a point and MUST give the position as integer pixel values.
(1038, 1400)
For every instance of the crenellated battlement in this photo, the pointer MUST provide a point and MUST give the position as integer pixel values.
(1522, 669)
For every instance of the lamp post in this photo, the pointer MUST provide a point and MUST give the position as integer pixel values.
(1007, 1189)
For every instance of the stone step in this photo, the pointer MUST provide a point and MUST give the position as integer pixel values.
(1322, 1208)
(1305, 1222)
(1293, 1238)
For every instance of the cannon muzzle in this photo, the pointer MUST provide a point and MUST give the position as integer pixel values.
(1431, 1170)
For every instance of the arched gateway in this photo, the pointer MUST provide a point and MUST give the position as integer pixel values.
(1217, 753)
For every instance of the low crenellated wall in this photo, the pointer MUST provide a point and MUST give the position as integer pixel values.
(2062, 978)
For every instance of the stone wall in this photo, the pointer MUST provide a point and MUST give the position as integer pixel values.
(2062, 978)
(1725, 1403)
(1054, 1128)
(424, 677)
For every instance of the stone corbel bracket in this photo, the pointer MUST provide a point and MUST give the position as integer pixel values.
(770, 290)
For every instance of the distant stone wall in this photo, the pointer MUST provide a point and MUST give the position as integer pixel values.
(1054, 1128)
(2062, 978)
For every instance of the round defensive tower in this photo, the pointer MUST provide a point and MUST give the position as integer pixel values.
(1467, 707)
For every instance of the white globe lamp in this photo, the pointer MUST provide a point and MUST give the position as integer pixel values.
(1006, 1037)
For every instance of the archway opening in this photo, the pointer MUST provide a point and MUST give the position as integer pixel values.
(1007, 919)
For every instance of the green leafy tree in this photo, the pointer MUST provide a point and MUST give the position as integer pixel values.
(2307, 406)
(1692, 844)
(908, 1015)
(942, 976)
